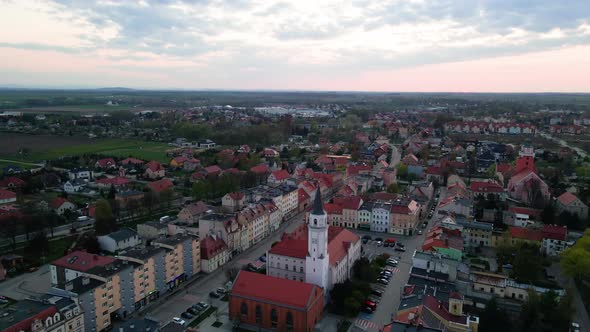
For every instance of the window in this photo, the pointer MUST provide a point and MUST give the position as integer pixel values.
(244, 309)
(258, 315)
(274, 317)
(301, 269)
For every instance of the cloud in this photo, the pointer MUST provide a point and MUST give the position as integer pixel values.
(218, 38)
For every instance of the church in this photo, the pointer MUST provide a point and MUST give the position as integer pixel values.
(315, 253)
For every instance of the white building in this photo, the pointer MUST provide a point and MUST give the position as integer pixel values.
(315, 252)
(80, 173)
(74, 186)
(381, 217)
(119, 240)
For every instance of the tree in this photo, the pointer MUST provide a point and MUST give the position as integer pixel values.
(402, 170)
(90, 244)
(104, 221)
(575, 261)
(393, 188)
(548, 214)
(112, 192)
(362, 270)
(38, 246)
(494, 318)
(527, 265)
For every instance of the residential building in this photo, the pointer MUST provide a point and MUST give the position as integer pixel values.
(487, 189)
(80, 173)
(117, 182)
(119, 240)
(154, 170)
(161, 185)
(350, 206)
(278, 177)
(7, 197)
(206, 144)
(571, 203)
(554, 239)
(75, 186)
(474, 233)
(259, 301)
(381, 215)
(182, 259)
(50, 314)
(105, 163)
(60, 205)
(504, 287)
(214, 253)
(152, 230)
(193, 212)
(233, 201)
(129, 198)
(404, 216)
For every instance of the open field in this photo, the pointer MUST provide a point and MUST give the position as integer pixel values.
(46, 147)
(77, 108)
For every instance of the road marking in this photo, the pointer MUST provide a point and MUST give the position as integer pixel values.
(366, 324)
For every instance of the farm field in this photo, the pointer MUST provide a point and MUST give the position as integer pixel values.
(45, 147)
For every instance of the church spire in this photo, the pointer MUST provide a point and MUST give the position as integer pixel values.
(318, 206)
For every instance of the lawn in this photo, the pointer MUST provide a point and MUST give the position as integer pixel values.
(111, 147)
(57, 249)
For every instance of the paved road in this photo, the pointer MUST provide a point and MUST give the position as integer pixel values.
(395, 155)
(580, 314)
(27, 285)
(199, 290)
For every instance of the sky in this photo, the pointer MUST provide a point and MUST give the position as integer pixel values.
(357, 45)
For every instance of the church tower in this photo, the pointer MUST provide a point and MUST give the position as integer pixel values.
(317, 262)
(526, 159)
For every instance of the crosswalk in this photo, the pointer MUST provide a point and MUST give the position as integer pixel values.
(394, 270)
(366, 325)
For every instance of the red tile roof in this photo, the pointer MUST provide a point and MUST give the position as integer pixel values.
(260, 169)
(274, 290)
(153, 166)
(180, 160)
(525, 210)
(332, 208)
(524, 233)
(212, 170)
(6, 194)
(302, 195)
(211, 247)
(116, 181)
(281, 175)
(82, 261)
(106, 162)
(441, 310)
(349, 203)
(357, 169)
(489, 186)
(160, 185)
(567, 198)
(236, 195)
(383, 196)
(12, 182)
(555, 232)
(57, 202)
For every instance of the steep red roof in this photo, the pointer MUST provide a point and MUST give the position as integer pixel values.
(504, 168)
(441, 310)
(434, 170)
(357, 169)
(12, 182)
(236, 195)
(6, 194)
(524, 233)
(274, 290)
(260, 169)
(57, 202)
(332, 208)
(555, 232)
(82, 261)
(383, 196)
(302, 195)
(25, 324)
(281, 175)
(160, 185)
(567, 198)
(211, 247)
(180, 160)
(339, 243)
(116, 181)
(349, 203)
(212, 170)
(106, 162)
(153, 166)
(489, 186)
(525, 210)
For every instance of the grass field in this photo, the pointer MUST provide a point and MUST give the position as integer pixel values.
(78, 108)
(53, 147)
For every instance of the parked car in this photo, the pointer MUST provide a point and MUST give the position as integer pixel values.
(214, 294)
(383, 281)
(376, 292)
(367, 237)
(371, 304)
(262, 258)
(192, 311)
(379, 239)
(400, 249)
(202, 305)
(187, 315)
(367, 310)
(179, 321)
(575, 327)
(221, 291)
(385, 244)
(419, 232)
(399, 244)
(378, 243)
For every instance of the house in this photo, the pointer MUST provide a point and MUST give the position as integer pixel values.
(278, 177)
(74, 186)
(270, 153)
(12, 183)
(119, 240)
(244, 149)
(49, 314)
(154, 170)
(214, 253)
(159, 186)
(193, 212)
(206, 144)
(212, 171)
(487, 189)
(350, 206)
(116, 182)
(105, 163)
(404, 216)
(260, 170)
(7, 197)
(191, 164)
(554, 239)
(304, 199)
(262, 302)
(80, 173)
(178, 162)
(571, 203)
(448, 316)
(233, 201)
(60, 205)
